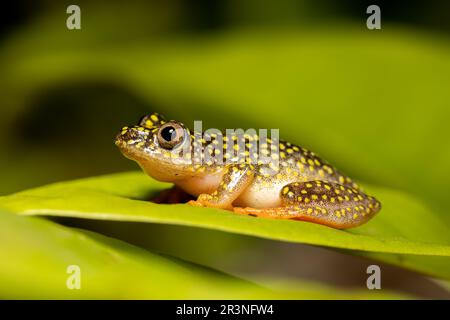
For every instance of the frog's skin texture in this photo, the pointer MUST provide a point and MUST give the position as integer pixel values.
(302, 187)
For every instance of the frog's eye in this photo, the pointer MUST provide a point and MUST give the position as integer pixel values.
(152, 120)
(170, 135)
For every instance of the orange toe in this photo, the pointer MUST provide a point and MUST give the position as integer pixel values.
(195, 203)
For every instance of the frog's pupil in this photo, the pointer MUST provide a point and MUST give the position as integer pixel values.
(168, 133)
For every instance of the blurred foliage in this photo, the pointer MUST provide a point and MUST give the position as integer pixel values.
(372, 103)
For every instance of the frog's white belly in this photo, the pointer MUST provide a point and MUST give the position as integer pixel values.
(198, 185)
(259, 196)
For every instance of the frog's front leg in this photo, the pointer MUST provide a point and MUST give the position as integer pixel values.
(321, 202)
(235, 179)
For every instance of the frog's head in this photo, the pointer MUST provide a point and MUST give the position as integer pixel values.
(160, 147)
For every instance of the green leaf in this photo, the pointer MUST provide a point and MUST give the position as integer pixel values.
(36, 254)
(397, 229)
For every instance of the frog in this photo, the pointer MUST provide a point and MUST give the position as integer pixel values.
(224, 171)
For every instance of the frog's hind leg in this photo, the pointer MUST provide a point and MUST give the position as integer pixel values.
(322, 202)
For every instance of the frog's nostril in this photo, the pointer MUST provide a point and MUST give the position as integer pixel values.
(130, 136)
(127, 135)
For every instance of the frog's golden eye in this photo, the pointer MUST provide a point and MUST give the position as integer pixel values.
(170, 135)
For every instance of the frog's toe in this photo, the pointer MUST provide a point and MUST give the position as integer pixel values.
(210, 201)
(277, 213)
(195, 203)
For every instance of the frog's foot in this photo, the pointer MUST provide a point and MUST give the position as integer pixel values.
(290, 213)
(195, 203)
(210, 201)
(321, 202)
(275, 213)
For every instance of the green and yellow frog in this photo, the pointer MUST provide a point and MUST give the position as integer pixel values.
(226, 171)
